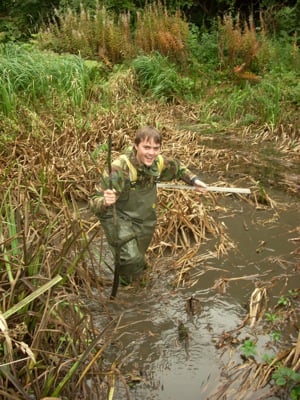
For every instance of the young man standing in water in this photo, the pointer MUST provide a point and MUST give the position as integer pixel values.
(133, 179)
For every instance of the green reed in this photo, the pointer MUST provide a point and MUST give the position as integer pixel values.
(9, 235)
(159, 78)
(34, 78)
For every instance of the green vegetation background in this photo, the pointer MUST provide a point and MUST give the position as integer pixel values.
(239, 70)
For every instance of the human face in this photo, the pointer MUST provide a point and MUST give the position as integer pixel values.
(147, 151)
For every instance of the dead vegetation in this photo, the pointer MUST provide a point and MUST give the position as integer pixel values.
(249, 376)
(50, 346)
(252, 378)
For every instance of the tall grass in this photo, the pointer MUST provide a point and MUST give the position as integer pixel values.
(240, 43)
(158, 30)
(104, 36)
(159, 78)
(28, 77)
(8, 223)
(94, 35)
(34, 81)
(44, 333)
(262, 103)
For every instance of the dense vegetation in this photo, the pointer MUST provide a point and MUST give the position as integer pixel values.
(20, 18)
(78, 78)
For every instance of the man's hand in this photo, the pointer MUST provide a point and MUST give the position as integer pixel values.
(109, 197)
(199, 185)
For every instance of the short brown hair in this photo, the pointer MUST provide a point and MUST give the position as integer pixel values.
(147, 133)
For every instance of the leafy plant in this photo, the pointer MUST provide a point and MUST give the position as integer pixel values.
(249, 348)
(283, 301)
(295, 392)
(276, 336)
(271, 317)
(284, 375)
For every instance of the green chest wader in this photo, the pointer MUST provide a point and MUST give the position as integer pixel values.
(136, 213)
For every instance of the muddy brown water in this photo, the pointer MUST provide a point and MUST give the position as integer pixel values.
(158, 364)
(152, 359)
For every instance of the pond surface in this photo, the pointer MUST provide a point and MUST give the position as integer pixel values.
(153, 358)
(156, 362)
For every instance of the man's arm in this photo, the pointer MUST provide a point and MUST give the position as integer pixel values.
(174, 169)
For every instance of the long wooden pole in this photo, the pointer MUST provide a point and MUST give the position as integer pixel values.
(218, 189)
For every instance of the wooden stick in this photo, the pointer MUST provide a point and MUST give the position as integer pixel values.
(117, 246)
(218, 189)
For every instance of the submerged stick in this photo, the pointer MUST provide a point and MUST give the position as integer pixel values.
(218, 189)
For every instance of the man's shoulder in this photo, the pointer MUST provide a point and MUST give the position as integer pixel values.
(122, 160)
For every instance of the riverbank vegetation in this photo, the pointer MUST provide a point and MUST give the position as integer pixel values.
(92, 73)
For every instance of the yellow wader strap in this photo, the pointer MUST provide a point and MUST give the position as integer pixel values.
(133, 171)
(160, 163)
